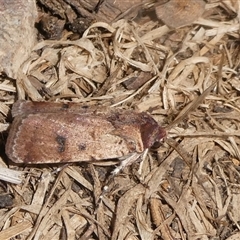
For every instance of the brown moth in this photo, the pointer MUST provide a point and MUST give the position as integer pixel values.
(44, 132)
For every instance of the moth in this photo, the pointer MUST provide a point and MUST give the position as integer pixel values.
(46, 132)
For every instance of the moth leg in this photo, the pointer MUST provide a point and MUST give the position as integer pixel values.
(126, 162)
(55, 171)
(59, 169)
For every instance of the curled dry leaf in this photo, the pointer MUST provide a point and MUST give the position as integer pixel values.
(177, 13)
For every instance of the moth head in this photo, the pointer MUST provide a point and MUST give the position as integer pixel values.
(152, 134)
(157, 136)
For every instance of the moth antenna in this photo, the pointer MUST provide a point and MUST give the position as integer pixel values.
(172, 143)
(196, 102)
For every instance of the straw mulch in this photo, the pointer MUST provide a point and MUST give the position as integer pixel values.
(188, 188)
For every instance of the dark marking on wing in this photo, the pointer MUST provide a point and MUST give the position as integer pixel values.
(61, 143)
(82, 146)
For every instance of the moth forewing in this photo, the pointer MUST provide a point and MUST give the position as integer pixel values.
(55, 136)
